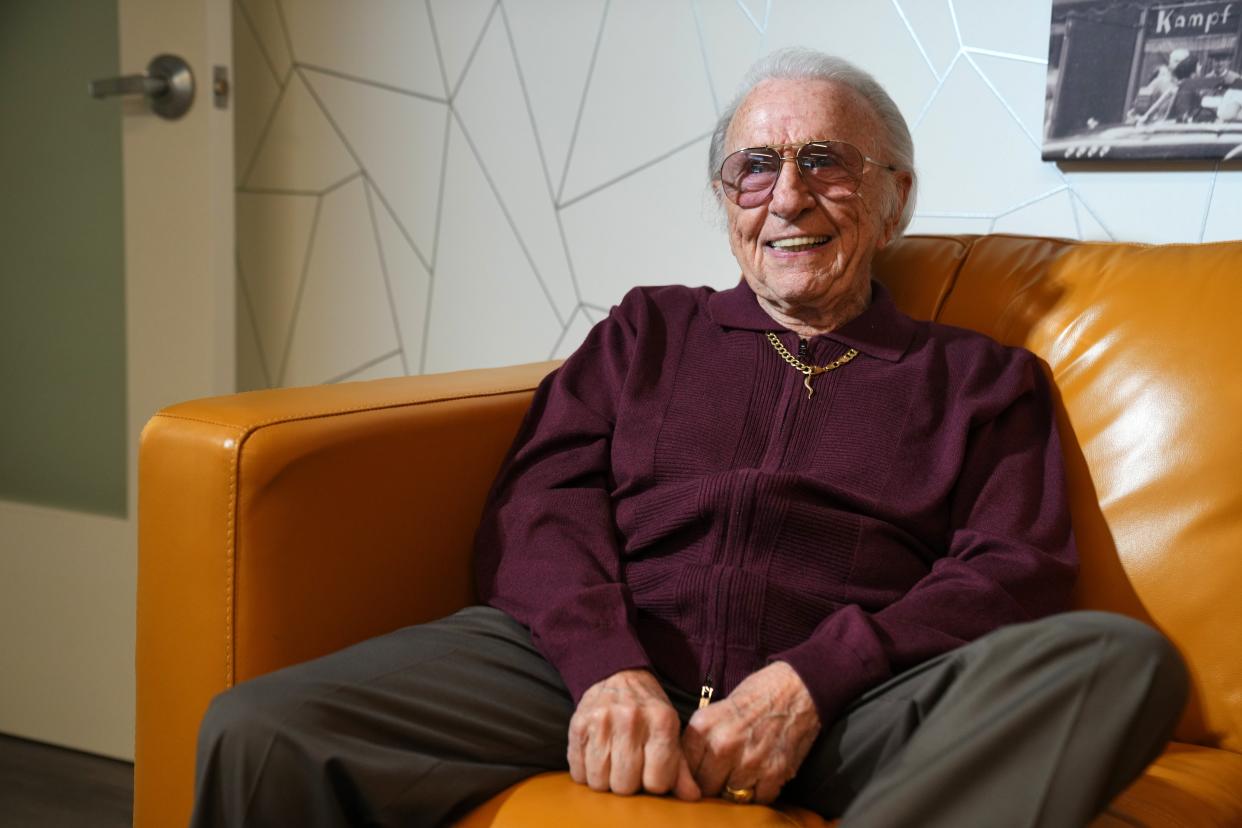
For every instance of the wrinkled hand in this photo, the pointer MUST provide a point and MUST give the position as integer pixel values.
(624, 737)
(756, 737)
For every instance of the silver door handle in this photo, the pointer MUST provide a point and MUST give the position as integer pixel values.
(128, 85)
(168, 86)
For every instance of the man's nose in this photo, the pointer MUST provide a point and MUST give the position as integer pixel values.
(791, 196)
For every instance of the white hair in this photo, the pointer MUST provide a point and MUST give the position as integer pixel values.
(807, 64)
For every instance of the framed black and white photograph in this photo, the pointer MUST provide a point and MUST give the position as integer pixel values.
(1144, 79)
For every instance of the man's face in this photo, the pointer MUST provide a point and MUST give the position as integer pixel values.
(847, 232)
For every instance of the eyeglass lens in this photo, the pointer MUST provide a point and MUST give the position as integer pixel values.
(832, 169)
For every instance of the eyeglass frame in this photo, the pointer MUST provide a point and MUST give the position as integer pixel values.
(781, 150)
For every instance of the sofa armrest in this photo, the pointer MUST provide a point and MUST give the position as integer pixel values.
(276, 526)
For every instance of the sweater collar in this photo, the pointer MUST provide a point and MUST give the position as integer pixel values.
(880, 331)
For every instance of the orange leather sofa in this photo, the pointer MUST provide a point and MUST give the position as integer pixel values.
(279, 525)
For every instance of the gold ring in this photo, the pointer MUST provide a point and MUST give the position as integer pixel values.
(741, 796)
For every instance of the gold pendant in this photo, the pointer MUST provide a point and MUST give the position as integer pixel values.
(811, 371)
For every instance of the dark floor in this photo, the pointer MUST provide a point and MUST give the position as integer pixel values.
(42, 786)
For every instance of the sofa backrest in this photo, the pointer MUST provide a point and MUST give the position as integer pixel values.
(1142, 343)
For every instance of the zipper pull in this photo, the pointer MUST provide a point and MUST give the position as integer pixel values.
(705, 692)
(803, 351)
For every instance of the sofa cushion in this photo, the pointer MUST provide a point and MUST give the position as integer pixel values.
(555, 799)
(1187, 786)
(919, 271)
(1142, 342)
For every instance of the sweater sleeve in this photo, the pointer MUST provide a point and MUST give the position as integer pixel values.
(1010, 553)
(547, 550)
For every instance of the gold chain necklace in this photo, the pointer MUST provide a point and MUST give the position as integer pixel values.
(809, 371)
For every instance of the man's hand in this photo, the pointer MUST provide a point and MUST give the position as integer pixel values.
(755, 738)
(624, 737)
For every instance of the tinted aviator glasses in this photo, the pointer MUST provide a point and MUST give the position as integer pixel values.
(833, 169)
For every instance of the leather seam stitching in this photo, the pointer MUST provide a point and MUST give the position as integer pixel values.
(311, 415)
(943, 298)
(230, 561)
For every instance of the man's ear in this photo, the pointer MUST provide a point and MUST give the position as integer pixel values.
(720, 206)
(904, 182)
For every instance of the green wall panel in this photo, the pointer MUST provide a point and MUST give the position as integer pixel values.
(62, 288)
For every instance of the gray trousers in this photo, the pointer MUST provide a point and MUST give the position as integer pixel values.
(1036, 724)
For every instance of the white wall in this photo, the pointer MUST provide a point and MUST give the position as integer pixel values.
(427, 186)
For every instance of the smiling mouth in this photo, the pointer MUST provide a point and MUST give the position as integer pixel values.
(799, 243)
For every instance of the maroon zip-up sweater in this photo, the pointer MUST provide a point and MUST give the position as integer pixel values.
(675, 501)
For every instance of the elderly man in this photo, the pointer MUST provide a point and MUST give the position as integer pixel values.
(774, 540)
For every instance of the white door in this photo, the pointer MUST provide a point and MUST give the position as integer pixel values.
(67, 576)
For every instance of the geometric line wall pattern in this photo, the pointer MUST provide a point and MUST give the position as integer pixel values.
(435, 184)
